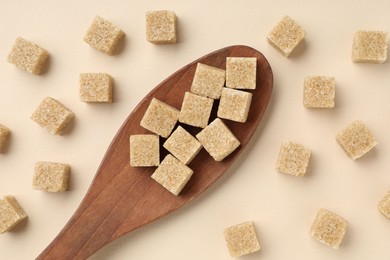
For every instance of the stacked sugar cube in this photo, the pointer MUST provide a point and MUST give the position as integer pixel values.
(172, 174)
(195, 110)
(182, 145)
(163, 120)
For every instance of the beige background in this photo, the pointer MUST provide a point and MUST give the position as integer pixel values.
(282, 207)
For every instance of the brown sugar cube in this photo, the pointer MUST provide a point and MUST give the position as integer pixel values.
(208, 81)
(234, 105)
(11, 213)
(328, 228)
(51, 176)
(4, 133)
(52, 115)
(356, 140)
(161, 27)
(28, 56)
(103, 36)
(195, 110)
(286, 35)
(96, 87)
(384, 205)
(293, 159)
(319, 92)
(172, 174)
(144, 150)
(241, 72)
(370, 47)
(182, 145)
(160, 118)
(241, 239)
(218, 140)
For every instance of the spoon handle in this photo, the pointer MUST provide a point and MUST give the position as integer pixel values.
(95, 223)
(120, 199)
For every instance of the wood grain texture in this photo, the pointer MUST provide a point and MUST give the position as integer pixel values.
(122, 198)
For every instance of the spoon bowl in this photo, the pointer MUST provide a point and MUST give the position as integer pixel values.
(122, 198)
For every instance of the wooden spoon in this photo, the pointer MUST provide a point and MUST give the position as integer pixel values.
(122, 198)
